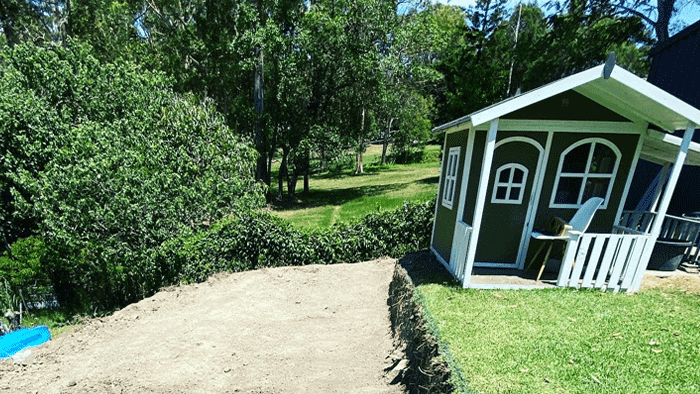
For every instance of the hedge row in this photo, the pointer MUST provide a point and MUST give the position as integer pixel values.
(259, 239)
(251, 239)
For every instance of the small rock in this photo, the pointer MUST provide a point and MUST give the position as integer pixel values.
(72, 383)
(227, 370)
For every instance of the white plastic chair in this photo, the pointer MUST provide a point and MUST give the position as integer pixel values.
(578, 224)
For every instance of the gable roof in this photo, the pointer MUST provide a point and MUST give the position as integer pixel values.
(623, 92)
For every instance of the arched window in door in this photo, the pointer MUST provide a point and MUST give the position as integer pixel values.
(509, 185)
(586, 169)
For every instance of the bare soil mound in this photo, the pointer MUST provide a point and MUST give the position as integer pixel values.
(683, 281)
(312, 329)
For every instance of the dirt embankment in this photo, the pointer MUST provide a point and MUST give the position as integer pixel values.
(426, 371)
(312, 329)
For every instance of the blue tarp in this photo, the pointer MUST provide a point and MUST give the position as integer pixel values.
(23, 338)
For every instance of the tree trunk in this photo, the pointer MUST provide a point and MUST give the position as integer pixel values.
(307, 166)
(261, 142)
(664, 10)
(515, 47)
(282, 175)
(385, 143)
(361, 146)
(292, 184)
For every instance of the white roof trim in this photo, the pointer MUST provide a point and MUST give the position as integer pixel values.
(635, 93)
(662, 148)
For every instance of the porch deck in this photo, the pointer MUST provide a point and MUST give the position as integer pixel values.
(423, 267)
(499, 278)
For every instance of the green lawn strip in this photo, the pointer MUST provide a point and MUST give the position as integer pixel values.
(568, 341)
(57, 321)
(380, 187)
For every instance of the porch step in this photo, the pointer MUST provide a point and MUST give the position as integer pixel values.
(690, 268)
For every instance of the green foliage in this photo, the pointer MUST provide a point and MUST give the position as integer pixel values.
(257, 239)
(111, 165)
(24, 270)
(413, 133)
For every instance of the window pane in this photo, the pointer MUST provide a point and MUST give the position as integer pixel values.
(518, 176)
(595, 187)
(504, 176)
(568, 190)
(501, 193)
(514, 194)
(603, 160)
(575, 161)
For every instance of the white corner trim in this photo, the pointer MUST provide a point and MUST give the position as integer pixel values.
(438, 195)
(489, 149)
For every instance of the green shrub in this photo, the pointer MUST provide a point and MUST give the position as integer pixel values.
(23, 272)
(106, 163)
(258, 239)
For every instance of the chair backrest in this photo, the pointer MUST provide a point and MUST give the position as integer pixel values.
(582, 218)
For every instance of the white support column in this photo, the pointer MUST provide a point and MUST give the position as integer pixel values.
(663, 206)
(663, 177)
(630, 176)
(465, 173)
(489, 149)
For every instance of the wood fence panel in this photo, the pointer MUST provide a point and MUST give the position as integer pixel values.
(593, 261)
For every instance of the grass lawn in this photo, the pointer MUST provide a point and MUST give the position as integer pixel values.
(345, 196)
(570, 341)
(57, 321)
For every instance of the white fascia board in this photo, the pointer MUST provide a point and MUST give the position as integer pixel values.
(534, 96)
(453, 127)
(570, 126)
(684, 110)
(665, 147)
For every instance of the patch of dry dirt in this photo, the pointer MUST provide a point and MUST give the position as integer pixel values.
(688, 283)
(312, 329)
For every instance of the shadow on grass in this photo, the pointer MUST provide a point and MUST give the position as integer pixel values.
(433, 180)
(368, 171)
(317, 198)
(423, 268)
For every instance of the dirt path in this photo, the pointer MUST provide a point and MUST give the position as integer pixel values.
(313, 329)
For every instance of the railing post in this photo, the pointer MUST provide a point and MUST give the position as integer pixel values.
(663, 205)
(568, 260)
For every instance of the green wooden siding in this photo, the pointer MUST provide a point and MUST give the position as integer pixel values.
(445, 218)
(569, 105)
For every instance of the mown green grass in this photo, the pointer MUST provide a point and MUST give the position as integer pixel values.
(57, 321)
(569, 341)
(344, 196)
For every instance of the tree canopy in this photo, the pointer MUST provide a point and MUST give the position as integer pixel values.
(126, 124)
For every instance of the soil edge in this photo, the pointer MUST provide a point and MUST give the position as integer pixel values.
(427, 370)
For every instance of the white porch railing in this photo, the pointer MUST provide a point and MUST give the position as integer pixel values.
(673, 227)
(458, 263)
(635, 222)
(605, 261)
(683, 229)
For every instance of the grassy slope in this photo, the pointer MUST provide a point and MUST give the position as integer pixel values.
(567, 341)
(345, 196)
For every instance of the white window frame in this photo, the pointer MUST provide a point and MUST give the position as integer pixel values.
(586, 174)
(509, 184)
(450, 184)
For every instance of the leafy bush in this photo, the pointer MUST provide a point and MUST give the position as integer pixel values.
(23, 270)
(258, 239)
(105, 163)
